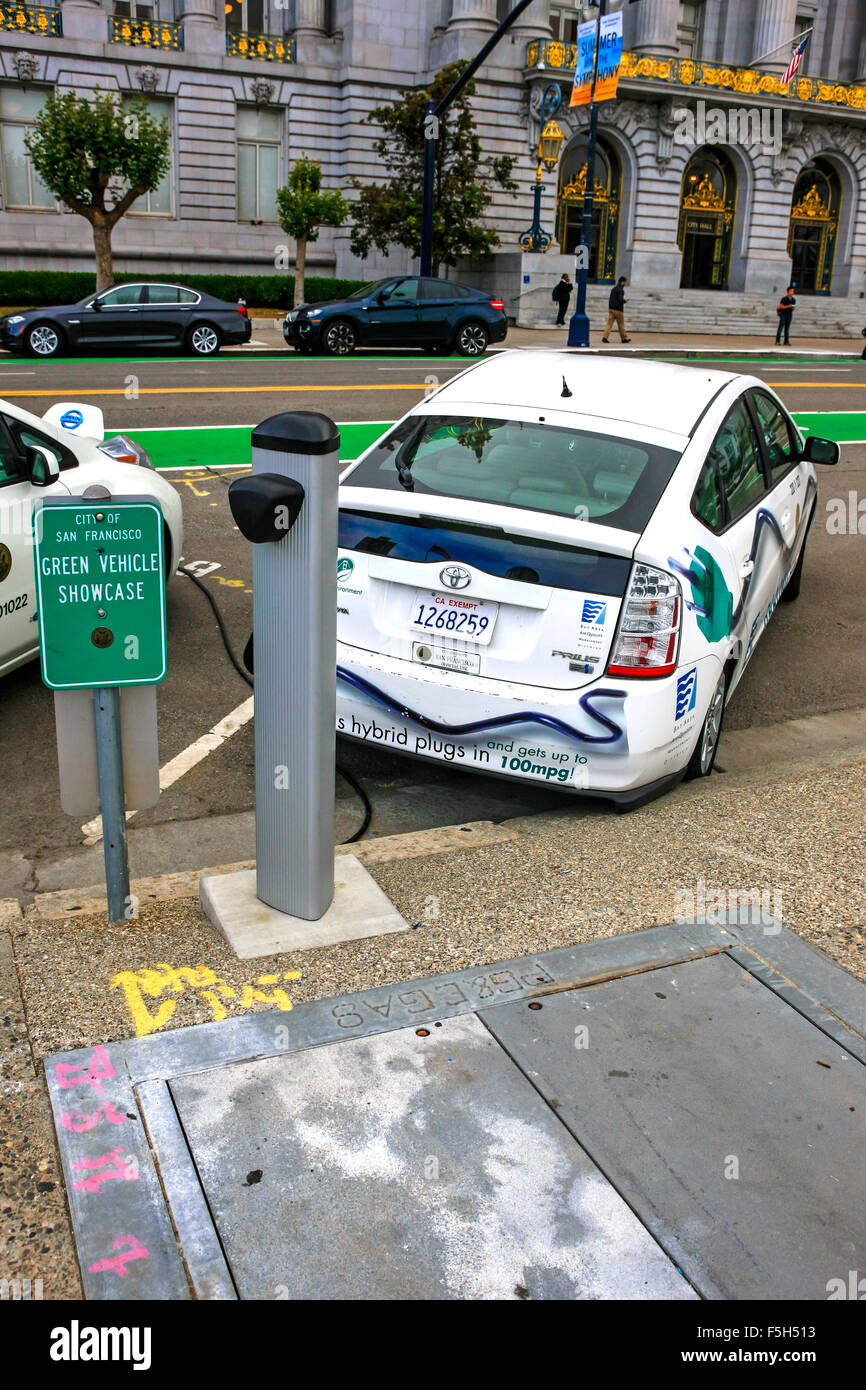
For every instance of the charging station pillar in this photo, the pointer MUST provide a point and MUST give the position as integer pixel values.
(295, 630)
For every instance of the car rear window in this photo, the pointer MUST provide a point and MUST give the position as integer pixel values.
(513, 463)
(492, 549)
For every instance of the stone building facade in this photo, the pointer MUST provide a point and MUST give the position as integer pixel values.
(711, 175)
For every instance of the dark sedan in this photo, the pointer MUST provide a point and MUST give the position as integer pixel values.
(129, 316)
(402, 311)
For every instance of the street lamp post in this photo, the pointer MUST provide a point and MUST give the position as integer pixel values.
(550, 143)
(578, 326)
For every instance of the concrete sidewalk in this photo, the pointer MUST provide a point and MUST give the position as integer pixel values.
(789, 838)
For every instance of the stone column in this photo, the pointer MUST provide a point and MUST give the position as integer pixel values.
(84, 19)
(203, 26)
(656, 30)
(310, 17)
(775, 22)
(534, 23)
(471, 14)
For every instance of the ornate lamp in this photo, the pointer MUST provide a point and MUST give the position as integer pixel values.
(550, 143)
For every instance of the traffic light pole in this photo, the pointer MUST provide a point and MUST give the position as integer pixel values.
(431, 132)
(578, 325)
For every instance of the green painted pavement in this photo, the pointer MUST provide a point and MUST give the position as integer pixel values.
(218, 446)
(845, 426)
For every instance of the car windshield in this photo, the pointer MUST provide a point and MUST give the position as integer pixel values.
(514, 463)
(370, 289)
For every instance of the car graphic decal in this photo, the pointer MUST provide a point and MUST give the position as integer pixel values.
(615, 732)
(712, 600)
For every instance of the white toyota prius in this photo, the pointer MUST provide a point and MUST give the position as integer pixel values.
(63, 454)
(557, 568)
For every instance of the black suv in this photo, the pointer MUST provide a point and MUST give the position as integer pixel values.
(402, 311)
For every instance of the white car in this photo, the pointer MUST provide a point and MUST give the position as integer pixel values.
(63, 454)
(557, 568)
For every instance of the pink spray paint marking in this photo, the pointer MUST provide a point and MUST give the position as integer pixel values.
(69, 1075)
(80, 1122)
(118, 1263)
(120, 1169)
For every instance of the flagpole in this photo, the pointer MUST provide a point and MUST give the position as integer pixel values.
(798, 39)
(578, 324)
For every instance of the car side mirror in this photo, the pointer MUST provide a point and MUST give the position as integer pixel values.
(381, 297)
(42, 467)
(817, 450)
(94, 304)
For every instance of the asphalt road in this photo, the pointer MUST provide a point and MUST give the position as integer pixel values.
(811, 660)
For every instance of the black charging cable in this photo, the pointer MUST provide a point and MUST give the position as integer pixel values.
(245, 675)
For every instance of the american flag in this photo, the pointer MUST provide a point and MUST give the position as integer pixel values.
(796, 60)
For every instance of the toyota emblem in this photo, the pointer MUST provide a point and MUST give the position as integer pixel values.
(455, 577)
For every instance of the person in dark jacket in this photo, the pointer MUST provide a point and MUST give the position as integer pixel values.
(785, 310)
(561, 295)
(616, 306)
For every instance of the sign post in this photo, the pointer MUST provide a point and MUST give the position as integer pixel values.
(100, 593)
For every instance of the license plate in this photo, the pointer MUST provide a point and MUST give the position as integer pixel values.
(446, 615)
(449, 658)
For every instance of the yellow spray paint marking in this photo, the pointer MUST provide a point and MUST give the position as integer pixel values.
(197, 492)
(230, 583)
(163, 979)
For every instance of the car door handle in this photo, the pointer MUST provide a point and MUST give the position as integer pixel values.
(786, 517)
(746, 566)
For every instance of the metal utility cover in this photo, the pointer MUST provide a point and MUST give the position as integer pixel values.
(727, 1121)
(401, 1166)
(100, 580)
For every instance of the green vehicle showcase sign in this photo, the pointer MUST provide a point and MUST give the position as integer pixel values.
(100, 591)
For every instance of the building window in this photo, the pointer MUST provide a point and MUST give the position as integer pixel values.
(22, 187)
(564, 22)
(260, 134)
(157, 203)
(689, 29)
(802, 23)
(135, 9)
(247, 16)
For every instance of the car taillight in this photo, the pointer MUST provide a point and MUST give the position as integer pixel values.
(242, 308)
(649, 625)
(497, 303)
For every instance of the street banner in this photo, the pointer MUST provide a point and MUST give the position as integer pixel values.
(609, 57)
(581, 92)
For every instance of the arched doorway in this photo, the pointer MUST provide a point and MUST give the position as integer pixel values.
(814, 223)
(607, 199)
(708, 202)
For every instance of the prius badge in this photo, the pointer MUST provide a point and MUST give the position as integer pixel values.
(455, 577)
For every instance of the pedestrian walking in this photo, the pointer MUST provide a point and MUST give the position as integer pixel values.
(561, 294)
(863, 335)
(616, 307)
(785, 310)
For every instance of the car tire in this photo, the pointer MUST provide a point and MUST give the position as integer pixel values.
(339, 338)
(44, 340)
(791, 590)
(703, 758)
(471, 339)
(203, 340)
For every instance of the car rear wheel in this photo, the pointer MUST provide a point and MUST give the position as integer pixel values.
(703, 758)
(203, 340)
(340, 338)
(44, 340)
(472, 339)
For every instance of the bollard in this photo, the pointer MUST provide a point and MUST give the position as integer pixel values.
(295, 631)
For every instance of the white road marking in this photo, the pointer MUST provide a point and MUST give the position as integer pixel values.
(185, 761)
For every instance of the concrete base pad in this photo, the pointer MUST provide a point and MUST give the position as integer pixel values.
(252, 928)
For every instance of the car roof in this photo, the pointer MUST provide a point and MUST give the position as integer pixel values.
(655, 395)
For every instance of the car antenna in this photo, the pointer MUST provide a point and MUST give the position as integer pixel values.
(565, 391)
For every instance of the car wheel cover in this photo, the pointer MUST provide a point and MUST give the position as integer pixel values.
(473, 339)
(340, 338)
(712, 727)
(44, 341)
(204, 340)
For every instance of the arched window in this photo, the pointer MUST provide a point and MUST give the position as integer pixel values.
(814, 223)
(605, 207)
(707, 204)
